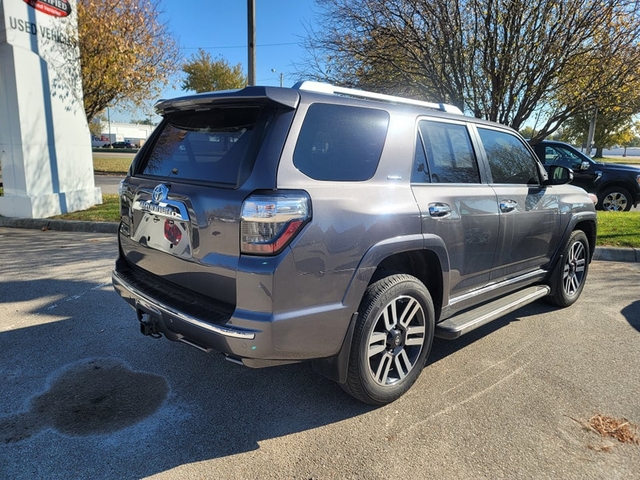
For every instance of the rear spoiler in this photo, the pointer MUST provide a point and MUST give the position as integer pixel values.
(286, 97)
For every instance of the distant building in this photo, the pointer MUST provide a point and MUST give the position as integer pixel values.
(111, 132)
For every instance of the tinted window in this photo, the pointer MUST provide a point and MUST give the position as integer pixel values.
(339, 142)
(561, 156)
(448, 152)
(509, 159)
(213, 146)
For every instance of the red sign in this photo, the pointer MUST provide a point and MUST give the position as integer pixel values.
(55, 8)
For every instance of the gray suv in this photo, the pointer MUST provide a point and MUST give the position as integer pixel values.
(348, 228)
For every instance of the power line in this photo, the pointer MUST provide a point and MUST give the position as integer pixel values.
(241, 46)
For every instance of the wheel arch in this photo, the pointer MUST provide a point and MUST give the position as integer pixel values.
(422, 256)
(585, 221)
(589, 227)
(626, 184)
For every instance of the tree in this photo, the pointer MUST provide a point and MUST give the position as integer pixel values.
(503, 60)
(614, 126)
(204, 74)
(126, 53)
(614, 114)
(629, 137)
(143, 121)
(95, 125)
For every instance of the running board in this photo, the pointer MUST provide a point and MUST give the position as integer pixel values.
(453, 327)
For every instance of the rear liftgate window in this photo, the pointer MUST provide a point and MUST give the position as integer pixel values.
(341, 143)
(217, 145)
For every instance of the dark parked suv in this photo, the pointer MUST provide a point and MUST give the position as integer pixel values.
(616, 186)
(278, 225)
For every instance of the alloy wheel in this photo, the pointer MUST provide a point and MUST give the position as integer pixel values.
(396, 340)
(615, 202)
(574, 268)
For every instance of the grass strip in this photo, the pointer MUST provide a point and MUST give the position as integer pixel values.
(108, 211)
(620, 160)
(619, 229)
(111, 165)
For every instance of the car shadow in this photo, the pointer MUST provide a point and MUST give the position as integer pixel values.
(80, 376)
(632, 314)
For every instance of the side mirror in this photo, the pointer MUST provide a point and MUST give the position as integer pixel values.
(585, 166)
(558, 175)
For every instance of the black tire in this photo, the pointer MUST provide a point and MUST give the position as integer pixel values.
(569, 276)
(615, 199)
(391, 341)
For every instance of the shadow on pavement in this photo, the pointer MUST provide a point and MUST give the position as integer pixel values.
(632, 314)
(86, 395)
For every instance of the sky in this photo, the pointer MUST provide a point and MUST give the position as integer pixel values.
(220, 28)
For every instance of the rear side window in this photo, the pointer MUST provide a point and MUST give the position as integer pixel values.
(340, 143)
(509, 160)
(444, 154)
(216, 145)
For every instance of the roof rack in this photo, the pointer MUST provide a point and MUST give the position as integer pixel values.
(327, 88)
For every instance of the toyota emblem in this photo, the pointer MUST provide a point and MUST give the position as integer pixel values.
(160, 193)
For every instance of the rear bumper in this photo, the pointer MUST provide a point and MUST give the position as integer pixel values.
(253, 343)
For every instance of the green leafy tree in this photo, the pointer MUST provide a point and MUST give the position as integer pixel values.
(614, 125)
(142, 121)
(528, 132)
(629, 137)
(125, 51)
(205, 74)
(611, 130)
(503, 60)
(95, 126)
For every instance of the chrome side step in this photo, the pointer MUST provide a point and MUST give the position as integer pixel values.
(453, 327)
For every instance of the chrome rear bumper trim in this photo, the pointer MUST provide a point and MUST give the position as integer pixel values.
(137, 295)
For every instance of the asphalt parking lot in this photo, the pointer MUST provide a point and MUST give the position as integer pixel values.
(84, 395)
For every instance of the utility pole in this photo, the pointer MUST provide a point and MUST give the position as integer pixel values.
(592, 131)
(109, 120)
(281, 76)
(251, 29)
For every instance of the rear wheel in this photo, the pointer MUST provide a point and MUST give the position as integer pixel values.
(392, 339)
(615, 199)
(571, 273)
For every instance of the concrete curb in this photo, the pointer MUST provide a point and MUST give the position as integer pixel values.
(60, 225)
(614, 254)
(611, 254)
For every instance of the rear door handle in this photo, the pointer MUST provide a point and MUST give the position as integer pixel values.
(439, 210)
(508, 205)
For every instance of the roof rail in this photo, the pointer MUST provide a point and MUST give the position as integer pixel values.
(327, 88)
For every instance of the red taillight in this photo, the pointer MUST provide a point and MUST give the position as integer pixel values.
(269, 222)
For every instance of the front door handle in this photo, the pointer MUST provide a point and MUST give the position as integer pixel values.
(508, 205)
(439, 210)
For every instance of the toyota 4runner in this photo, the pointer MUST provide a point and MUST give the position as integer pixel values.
(278, 225)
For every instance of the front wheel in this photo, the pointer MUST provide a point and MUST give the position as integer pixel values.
(392, 339)
(571, 273)
(615, 199)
